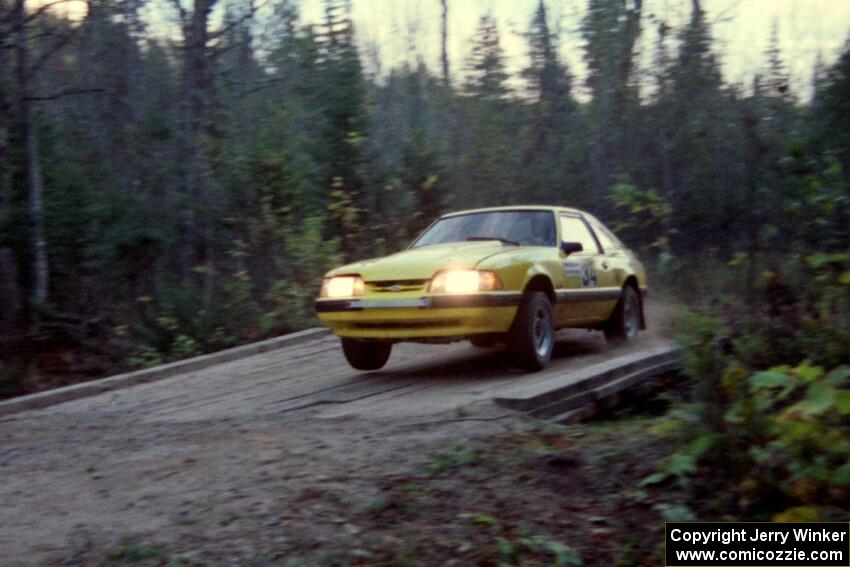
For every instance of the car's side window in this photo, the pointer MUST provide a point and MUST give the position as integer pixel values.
(606, 237)
(574, 229)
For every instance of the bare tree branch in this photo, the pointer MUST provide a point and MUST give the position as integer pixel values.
(726, 14)
(45, 7)
(64, 93)
(239, 21)
(218, 51)
(258, 86)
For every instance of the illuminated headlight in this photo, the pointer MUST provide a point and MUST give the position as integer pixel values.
(342, 286)
(464, 281)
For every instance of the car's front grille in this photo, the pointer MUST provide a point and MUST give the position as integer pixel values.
(391, 286)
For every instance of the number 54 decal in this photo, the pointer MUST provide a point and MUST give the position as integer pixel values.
(588, 276)
(586, 272)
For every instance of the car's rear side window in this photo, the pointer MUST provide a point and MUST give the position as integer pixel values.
(605, 236)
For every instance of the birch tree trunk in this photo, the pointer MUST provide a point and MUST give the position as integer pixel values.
(10, 304)
(35, 181)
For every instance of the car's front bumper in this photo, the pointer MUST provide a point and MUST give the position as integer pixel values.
(425, 317)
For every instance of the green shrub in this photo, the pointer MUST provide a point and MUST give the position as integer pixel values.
(307, 257)
(765, 431)
(178, 324)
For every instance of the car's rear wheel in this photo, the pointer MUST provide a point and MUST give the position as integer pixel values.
(624, 324)
(532, 336)
(366, 355)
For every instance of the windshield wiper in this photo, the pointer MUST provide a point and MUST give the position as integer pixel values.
(502, 240)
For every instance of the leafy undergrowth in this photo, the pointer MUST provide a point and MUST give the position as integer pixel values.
(769, 399)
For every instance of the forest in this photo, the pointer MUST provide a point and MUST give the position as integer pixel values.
(175, 186)
(166, 195)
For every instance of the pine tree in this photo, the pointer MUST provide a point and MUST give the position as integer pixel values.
(704, 171)
(343, 103)
(777, 104)
(778, 80)
(659, 113)
(611, 29)
(486, 171)
(832, 104)
(487, 76)
(549, 80)
(444, 39)
(551, 157)
(110, 61)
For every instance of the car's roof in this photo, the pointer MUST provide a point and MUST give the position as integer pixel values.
(518, 208)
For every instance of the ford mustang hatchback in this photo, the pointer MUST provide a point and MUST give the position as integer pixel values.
(511, 275)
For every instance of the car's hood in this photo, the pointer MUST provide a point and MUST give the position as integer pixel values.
(422, 263)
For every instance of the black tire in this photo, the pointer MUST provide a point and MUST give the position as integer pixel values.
(624, 324)
(366, 355)
(532, 335)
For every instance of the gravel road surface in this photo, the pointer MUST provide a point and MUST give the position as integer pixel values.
(217, 462)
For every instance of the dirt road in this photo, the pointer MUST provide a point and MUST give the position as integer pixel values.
(216, 464)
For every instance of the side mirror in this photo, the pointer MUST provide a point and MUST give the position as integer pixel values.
(570, 247)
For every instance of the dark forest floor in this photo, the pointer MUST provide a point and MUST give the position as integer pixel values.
(35, 362)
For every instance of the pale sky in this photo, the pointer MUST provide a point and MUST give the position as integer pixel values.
(409, 30)
(742, 28)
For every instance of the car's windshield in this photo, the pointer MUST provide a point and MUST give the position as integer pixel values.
(526, 228)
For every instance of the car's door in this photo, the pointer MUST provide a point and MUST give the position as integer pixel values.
(615, 264)
(585, 290)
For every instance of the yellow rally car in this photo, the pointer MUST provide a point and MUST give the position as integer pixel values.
(510, 275)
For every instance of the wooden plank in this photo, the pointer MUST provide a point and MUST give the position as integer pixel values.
(94, 387)
(574, 389)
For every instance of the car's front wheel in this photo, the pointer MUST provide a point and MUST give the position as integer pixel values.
(624, 324)
(366, 355)
(532, 337)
